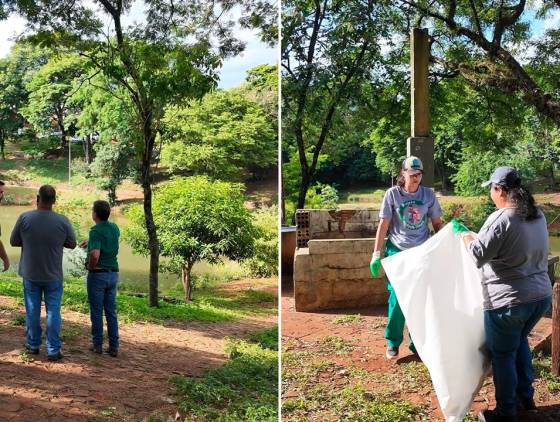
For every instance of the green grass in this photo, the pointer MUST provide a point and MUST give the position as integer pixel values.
(362, 197)
(38, 171)
(267, 339)
(352, 403)
(18, 320)
(131, 308)
(543, 365)
(347, 319)
(335, 344)
(244, 389)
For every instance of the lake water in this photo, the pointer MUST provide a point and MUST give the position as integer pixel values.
(134, 269)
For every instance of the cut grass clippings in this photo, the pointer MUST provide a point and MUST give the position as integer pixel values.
(244, 389)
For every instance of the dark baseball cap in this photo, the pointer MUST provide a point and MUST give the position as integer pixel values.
(504, 176)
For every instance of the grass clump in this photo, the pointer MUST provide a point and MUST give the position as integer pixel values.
(347, 319)
(267, 339)
(335, 344)
(244, 389)
(354, 403)
(542, 365)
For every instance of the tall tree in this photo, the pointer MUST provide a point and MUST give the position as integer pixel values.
(328, 48)
(225, 135)
(48, 106)
(484, 41)
(174, 55)
(16, 71)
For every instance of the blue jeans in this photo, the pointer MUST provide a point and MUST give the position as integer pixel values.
(33, 293)
(102, 292)
(506, 337)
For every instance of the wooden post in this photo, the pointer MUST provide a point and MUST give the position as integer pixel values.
(420, 143)
(556, 329)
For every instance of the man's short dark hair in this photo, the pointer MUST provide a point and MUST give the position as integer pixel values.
(47, 194)
(102, 209)
(2, 183)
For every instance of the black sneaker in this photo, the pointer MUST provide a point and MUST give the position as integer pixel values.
(495, 416)
(112, 352)
(31, 350)
(56, 357)
(391, 352)
(95, 349)
(527, 404)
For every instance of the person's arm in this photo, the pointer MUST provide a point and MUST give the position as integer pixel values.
(434, 213)
(437, 224)
(15, 237)
(94, 249)
(70, 241)
(487, 244)
(4, 257)
(93, 258)
(382, 229)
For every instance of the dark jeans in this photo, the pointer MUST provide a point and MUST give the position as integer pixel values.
(102, 292)
(506, 337)
(33, 293)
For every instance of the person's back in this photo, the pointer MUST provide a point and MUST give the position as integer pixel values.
(518, 271)
(105, 237)
(103, 277)
(42, 235)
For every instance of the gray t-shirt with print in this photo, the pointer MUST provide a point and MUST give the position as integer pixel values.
(512, 255)
(42, 236)
(409, 213)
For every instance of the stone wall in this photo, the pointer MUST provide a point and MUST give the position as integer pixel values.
(334, 273)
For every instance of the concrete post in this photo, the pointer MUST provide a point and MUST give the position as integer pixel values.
(420, 143)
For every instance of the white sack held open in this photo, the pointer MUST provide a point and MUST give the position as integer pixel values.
(440, 293)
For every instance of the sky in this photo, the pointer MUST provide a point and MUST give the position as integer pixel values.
(233, 71)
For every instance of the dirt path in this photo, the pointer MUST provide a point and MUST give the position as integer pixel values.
(345, 348)
(89, 387)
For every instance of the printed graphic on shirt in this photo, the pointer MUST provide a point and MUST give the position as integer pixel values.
(409, 212)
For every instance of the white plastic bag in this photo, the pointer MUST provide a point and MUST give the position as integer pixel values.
(439, 291)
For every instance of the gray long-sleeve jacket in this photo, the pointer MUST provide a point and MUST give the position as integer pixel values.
(512, 254)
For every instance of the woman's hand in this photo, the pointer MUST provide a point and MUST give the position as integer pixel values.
(375, 264)
(458, 227)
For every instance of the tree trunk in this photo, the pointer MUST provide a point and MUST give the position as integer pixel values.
(2, 143)
(63, 143)
(112, 195)
(282, 199)
(187, 281)
(87, 149)
(146, 179)
(303, 188)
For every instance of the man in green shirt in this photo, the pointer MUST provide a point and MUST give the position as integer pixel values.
(103, 276)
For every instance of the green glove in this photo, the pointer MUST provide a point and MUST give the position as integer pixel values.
(459, 227)
(375, 264)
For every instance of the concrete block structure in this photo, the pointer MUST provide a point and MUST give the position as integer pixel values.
(331, 265)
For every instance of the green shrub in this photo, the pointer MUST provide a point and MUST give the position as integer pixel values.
(473, 213)
(264, 261)
(476, 168)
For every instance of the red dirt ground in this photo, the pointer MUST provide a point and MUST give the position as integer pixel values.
(303, 331)
(89, 387)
